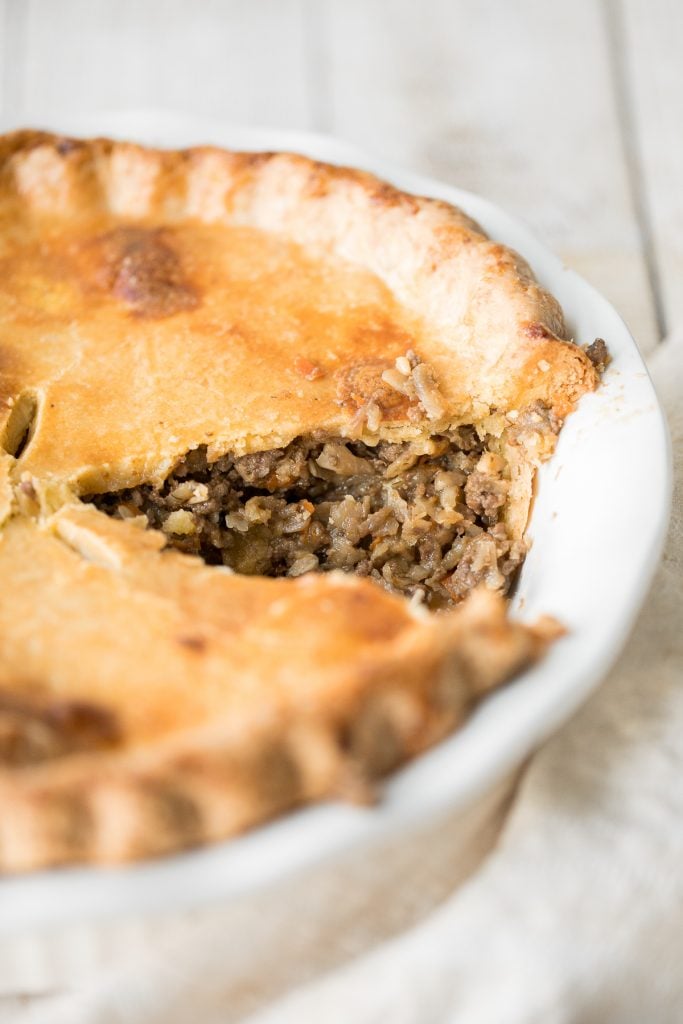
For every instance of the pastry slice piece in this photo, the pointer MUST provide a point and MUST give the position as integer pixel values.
(151, 702)
(270, 429)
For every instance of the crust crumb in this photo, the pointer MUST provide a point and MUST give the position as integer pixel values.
(598, 354)
(305, 368)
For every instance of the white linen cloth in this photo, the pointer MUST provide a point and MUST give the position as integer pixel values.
(575, 916)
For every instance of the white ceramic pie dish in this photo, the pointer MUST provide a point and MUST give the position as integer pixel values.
(597, 527)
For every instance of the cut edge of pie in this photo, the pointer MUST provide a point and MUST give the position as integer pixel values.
(177, 285)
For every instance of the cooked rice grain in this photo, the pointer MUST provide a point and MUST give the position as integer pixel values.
(421, 518)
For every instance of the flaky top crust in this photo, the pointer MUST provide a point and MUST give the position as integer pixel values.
(230, 698)
(154, 301)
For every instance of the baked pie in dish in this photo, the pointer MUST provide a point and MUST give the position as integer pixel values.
(269, 430)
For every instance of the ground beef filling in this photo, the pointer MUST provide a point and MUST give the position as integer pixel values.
(421, 517)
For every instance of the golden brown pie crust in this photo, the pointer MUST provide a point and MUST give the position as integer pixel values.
(152, 302)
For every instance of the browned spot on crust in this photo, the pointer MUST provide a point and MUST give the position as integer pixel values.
(66, 818)
(64, 146)
(242, 166)
(319, 182)
(538, 330)
(305, 368)
(252, 161)
(176, 812)
(140, 267)
(33, 729)
(384, 194)
(193, 643)
(322, 178)
(82, 719)
(276, 776)
(362, 383)
(373, 740)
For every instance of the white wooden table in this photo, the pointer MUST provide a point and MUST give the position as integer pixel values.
(567, 112)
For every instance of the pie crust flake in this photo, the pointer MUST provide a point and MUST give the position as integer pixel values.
(268, 434)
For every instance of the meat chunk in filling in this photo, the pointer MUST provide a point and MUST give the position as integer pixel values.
(421, 517)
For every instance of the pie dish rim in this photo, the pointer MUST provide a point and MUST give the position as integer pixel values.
(69, 889)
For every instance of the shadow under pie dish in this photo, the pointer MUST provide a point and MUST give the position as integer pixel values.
(336, 395)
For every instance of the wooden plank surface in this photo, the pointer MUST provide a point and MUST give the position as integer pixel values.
(653, 43)
(6, 76)
(566, 113)
(240, 59)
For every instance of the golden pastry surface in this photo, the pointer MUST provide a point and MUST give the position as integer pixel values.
(154, 302)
